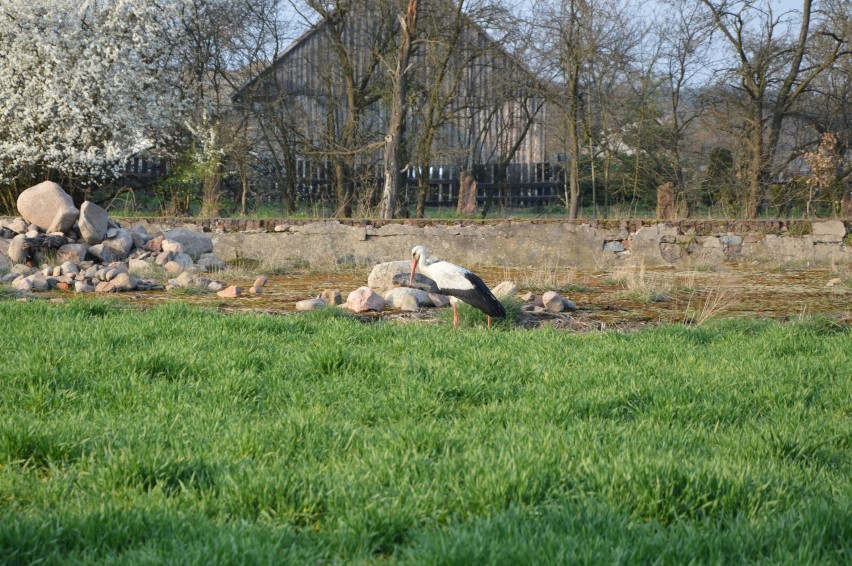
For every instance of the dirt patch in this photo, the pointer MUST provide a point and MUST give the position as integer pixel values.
(628, 298)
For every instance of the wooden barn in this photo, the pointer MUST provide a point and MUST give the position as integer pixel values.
(320, 109)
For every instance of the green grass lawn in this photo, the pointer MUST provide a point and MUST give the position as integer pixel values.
(179, 435)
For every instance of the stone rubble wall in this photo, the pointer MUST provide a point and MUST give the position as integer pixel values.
(522, 243)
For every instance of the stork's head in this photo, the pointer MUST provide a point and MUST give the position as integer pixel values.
(418, 254)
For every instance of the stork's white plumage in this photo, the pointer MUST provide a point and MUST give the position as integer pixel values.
(458, 283)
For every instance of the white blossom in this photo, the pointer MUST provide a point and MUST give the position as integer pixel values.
(84, 84)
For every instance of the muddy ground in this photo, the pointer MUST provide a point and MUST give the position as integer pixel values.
(628, 298)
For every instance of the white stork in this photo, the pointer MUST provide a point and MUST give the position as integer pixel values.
(458, 283)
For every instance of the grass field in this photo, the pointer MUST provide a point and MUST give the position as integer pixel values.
(181, 435)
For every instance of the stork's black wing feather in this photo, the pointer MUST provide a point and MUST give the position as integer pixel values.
(480, 296)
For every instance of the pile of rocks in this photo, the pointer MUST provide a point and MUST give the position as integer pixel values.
(388, 287)
(94, 253)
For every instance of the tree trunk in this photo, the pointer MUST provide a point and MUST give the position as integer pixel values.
(211, 190)
(757, 174)
(396, 127)
(574, 135)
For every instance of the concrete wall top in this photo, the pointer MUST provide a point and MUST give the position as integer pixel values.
(521, 243)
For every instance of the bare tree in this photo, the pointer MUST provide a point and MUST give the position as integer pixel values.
(773, 67)
(683, 64)
(586, 48)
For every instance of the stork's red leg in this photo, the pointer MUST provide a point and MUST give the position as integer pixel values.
(455, 316)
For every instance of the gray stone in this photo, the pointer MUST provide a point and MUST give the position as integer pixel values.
(364, 299)
(613, 246)
(670, 252)
(310, 305)
(185, 279)
(439, 300)
(123, 282)
(184, 260)
(69, 268)
(19, 249)
(48, 207)
(63, 221)
(83, 287)
(138, 265)
(731, 240)
(505, 289)
(194, 243)
(121, 243)
(215, 285)
(568, 304)
(552, 301)
(381, 277)
(103, 253)
(115, 269)
(93, 223)
(830, 232)
(18, 225)
(39, 282)
(407, 299)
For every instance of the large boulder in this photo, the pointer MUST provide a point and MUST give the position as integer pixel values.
(364, 299)
(93, 223)
(382, 274)
(121, 243)
(194, 243)
(47, 206)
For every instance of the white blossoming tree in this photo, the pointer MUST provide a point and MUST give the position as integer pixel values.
(84, 84)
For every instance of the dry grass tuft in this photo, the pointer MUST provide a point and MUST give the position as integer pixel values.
(560, 279)
(641, 285)
(708, 304)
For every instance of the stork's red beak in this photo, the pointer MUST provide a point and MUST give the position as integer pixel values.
(413, 269)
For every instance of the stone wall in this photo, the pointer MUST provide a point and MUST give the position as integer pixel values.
(521, 243)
